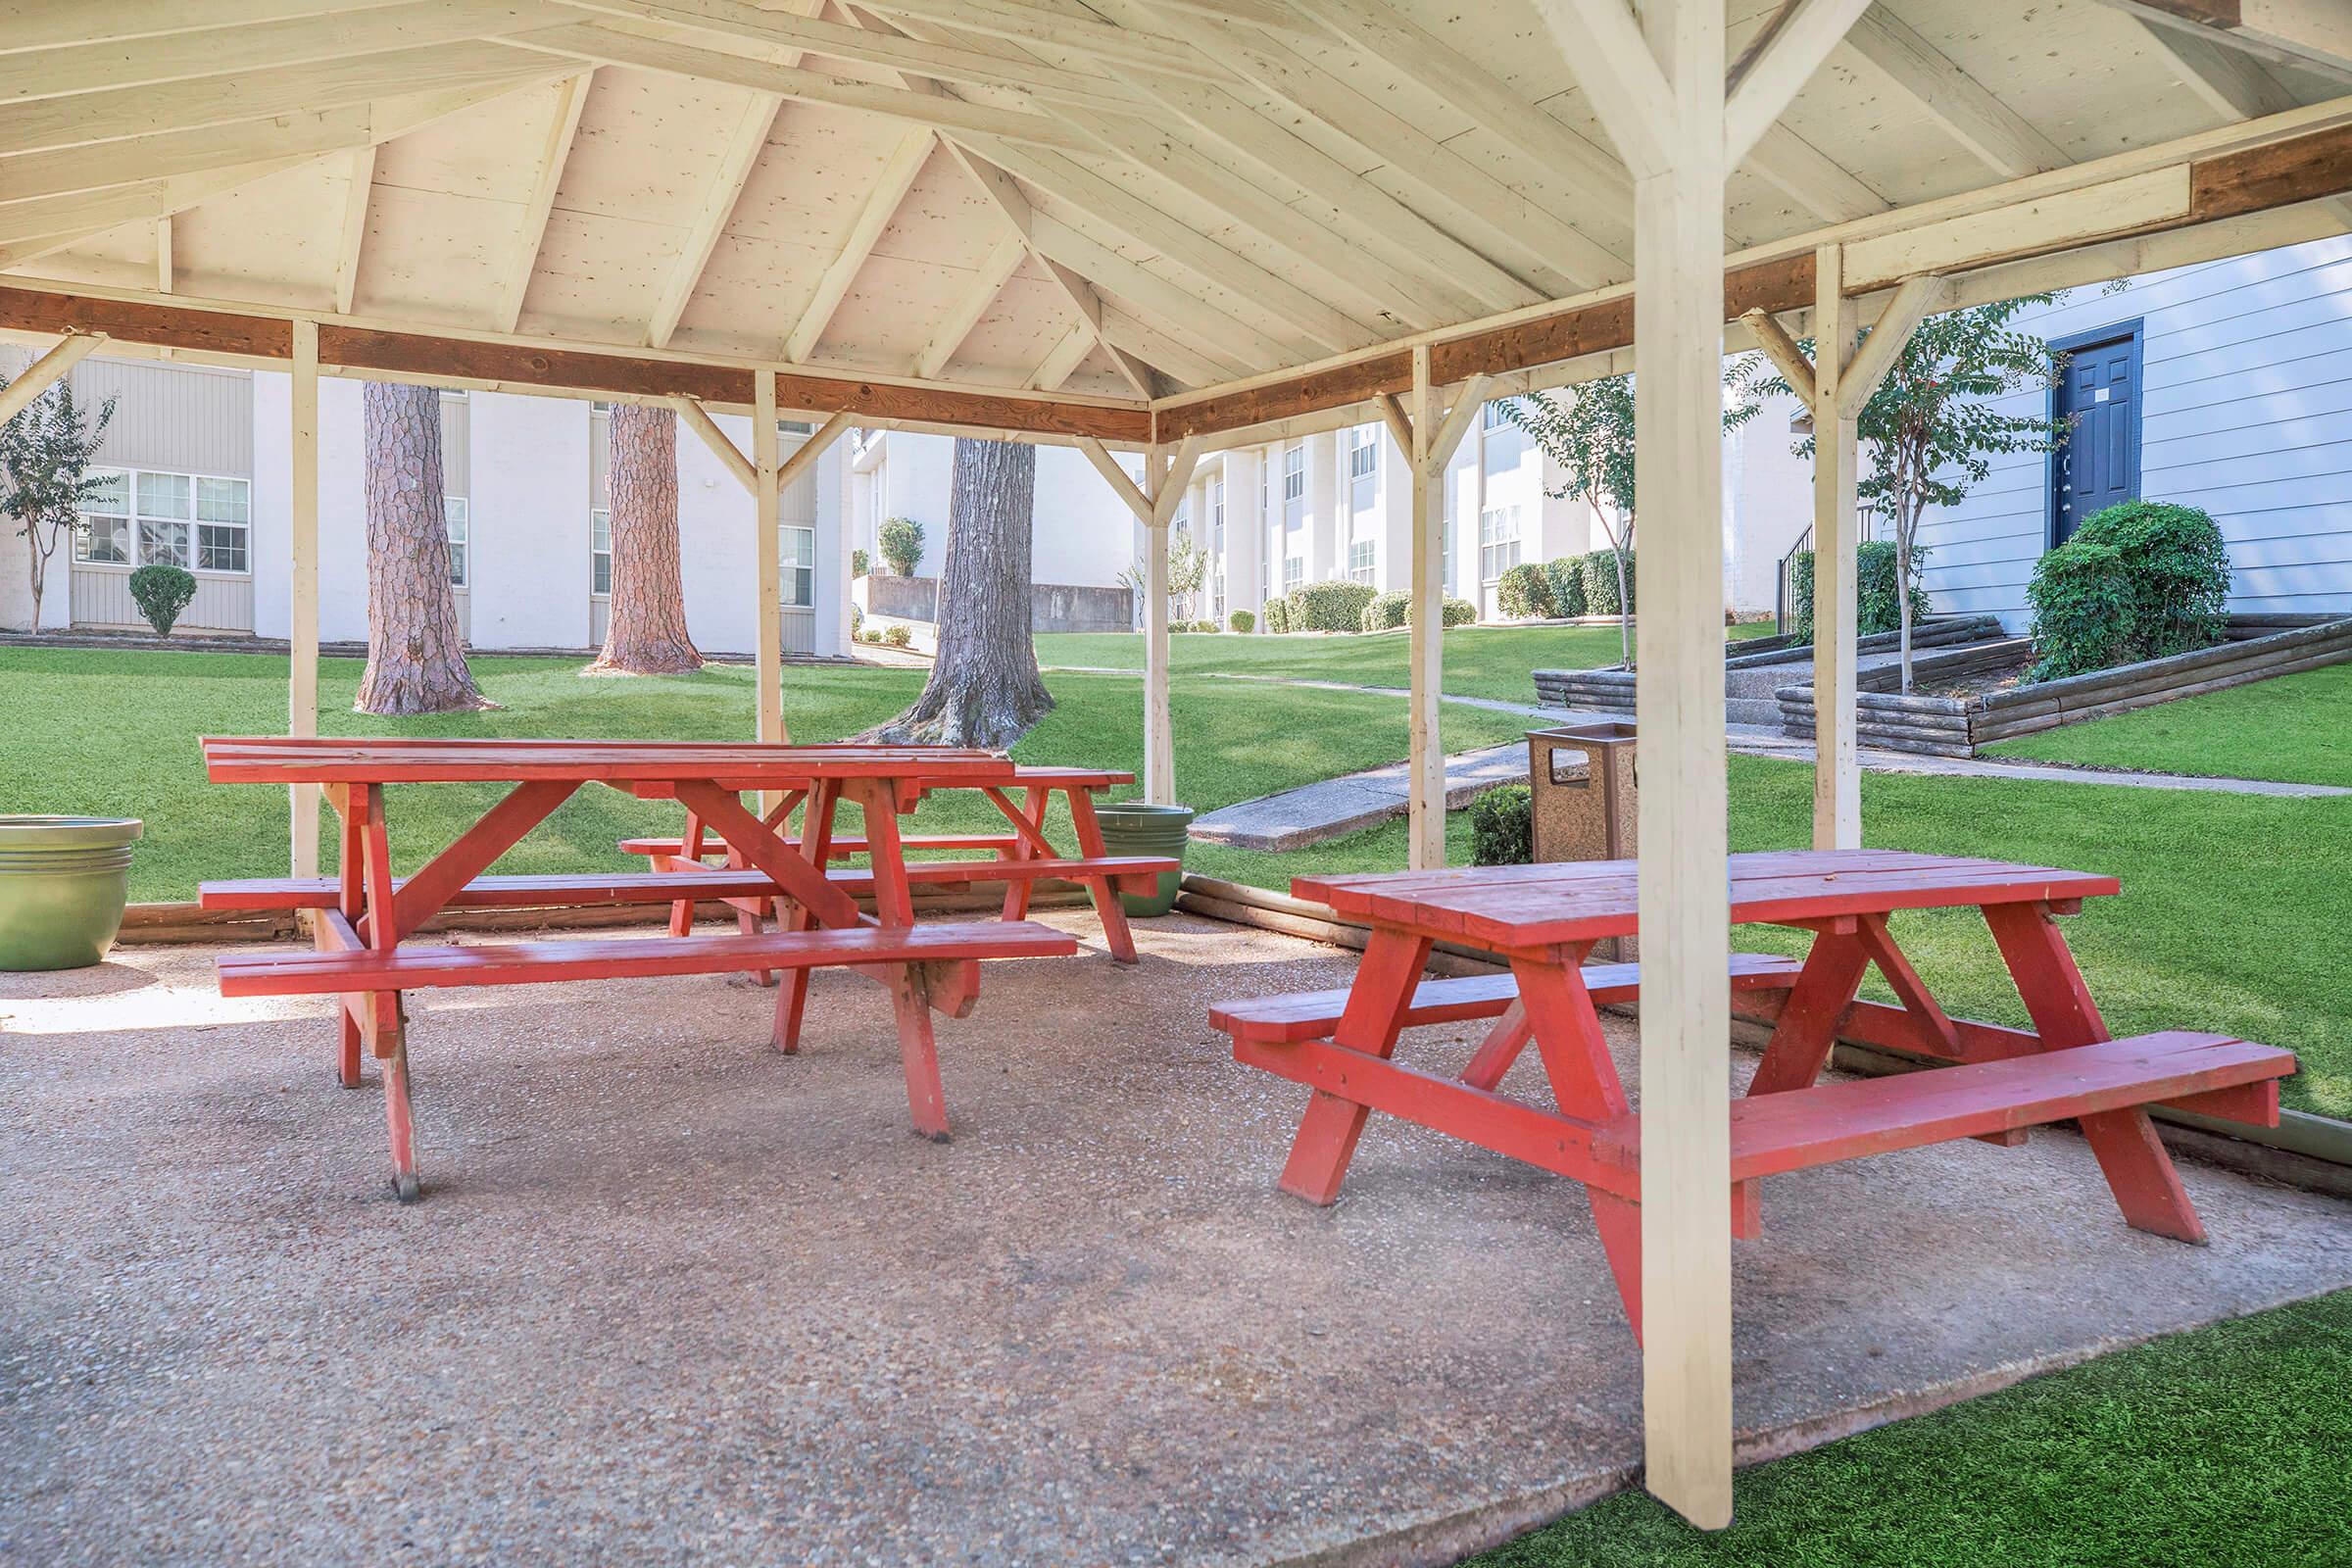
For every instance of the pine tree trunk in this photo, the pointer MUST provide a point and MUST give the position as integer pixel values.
(415, 654)
(984, 688)
(646, 634)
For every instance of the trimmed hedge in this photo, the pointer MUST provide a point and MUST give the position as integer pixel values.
(1600, 571)
(1278, 615)
(1242, 620)
(1337, 605)
(1502, 827)
(2140, 580)
(1873, 591)
(1387, 612)
(1566, 578)
(161, 593)
(1451, 612)
(1524, 592)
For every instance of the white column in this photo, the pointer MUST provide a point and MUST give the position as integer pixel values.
(302, 685)
(1686, 1024)
(1159, 755)
(1426, 767)
(1836, 532)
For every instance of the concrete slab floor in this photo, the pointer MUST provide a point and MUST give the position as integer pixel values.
(673, 1296)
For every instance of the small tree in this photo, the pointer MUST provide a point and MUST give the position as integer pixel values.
(901, 544)
(161, 592)
(1932, 429)
(45, 453)
(1188, 571)
(1589, 434)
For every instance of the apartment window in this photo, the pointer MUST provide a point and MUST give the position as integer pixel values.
(1362, 455)
(600, 547)
(1489, 416)
(1497, 541)
(1216, 514)
(1293, 474)
(1265, 479)
(461, 539)
(1360, 554)
(141, 518)
(1293, 571)
(798, 551)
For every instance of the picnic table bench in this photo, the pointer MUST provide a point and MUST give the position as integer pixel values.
(1025, 856)
(363, 915)
(1981, 1081)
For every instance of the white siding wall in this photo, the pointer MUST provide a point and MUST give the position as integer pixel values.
(529, 513)
(2246, 411)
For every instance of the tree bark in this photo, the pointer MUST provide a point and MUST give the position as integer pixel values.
(415, 653)
(646, 634)
(984, 688)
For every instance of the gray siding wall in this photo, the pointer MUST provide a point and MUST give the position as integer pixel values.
(2246, 411)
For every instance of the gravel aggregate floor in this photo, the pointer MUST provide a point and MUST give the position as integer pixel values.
(674, 1297)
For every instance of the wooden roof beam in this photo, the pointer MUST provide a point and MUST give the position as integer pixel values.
(62, 219)
(2000, 138)
(1062, 360)
(1060, 34)
(988, 281)
(358, 174)
(531, 227)
(1798, 45)
(2314, 35)
(891, 184)
(740, 157)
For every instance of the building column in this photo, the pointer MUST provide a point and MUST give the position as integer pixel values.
(302, 685)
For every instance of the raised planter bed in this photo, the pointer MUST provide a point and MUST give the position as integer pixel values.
(1955, 726)
(1611, 691)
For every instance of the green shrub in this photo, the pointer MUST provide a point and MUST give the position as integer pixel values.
(856, 618)
(897, 637)
(902, 543)
(1874, 590)
(1387, 612)
(1278, 615)
(1456, 612)
(1524, 593)
(1501, 827)
(1337, 605)
(1242, 620)
(161, 593)
(2140, 580)
(858, 561)
(1566, 579)
(1600, 571)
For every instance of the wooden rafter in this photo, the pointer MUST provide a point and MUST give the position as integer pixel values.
(1060, 34)
(888, 188)
(2314, 34)
(1062, 360)
(1799, 43)
(1213, 336)
(2000, 138)
(1811, 179)
(359, 176)
(62, 219)
(995, 269)
(744, 145)
(530, 225)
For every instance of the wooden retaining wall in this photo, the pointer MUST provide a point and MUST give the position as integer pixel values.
(1611, 691)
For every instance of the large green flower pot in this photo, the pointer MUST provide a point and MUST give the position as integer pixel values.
(63, 884)
(1133, 828)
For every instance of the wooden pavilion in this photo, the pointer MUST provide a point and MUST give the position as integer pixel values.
(1168, 228)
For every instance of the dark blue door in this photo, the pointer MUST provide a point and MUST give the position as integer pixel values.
(2099, 464)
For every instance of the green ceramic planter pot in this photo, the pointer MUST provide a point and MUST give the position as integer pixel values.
(1133, 828)
(63, 884)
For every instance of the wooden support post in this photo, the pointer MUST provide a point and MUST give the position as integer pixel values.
(1159, 758)
(1686, 920)
(1430, 439)
(1836, 535)
(767, 545)
(302, 632)
(46, 371)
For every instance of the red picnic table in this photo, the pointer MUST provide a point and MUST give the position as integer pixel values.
(1991, 1083)
(364, 916)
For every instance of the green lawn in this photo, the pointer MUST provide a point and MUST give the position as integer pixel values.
(1480, 661)
(2296, 727)
(115, 733)
(2218, 1448)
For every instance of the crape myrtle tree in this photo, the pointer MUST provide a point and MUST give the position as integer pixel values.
(415, 653)
(1588, 432)
(646, 632)
(1929, 432)
(984, 688)
(45, 453)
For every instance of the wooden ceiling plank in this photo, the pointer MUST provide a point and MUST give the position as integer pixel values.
(1151, 342)
(58, 24)
(742, 149)
(2314, 35)
(889, 187)
(80, 214)
(359, 175)
(86, 68)
(989, 282)
(609, 46)
(1604, 49)
(530, 227)
(1799, 46)
(1060, 33)
(1998, 137)
(1179, 312)
(238, 96)
(1062, 360)
(2231, 83)
(1812, 178)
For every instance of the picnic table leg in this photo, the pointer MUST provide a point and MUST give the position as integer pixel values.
(817, 846)
(909, 998)
(1503, 1042)
(1018, 889)
(1115, 935)
(400, 1125)
(2138, 1172)
(364, 821)
(1807, 1030)
(681, 911)
(1585, 1085)
(351, 901)
(1376, 1005)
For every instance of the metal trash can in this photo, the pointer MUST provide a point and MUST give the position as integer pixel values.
(1582, 780)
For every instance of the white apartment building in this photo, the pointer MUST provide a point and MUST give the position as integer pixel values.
(201, 476)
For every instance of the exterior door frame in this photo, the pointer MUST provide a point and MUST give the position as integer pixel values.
(2131, 331)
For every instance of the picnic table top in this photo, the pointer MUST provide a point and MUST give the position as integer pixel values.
(1532, 905)
(748, 765)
